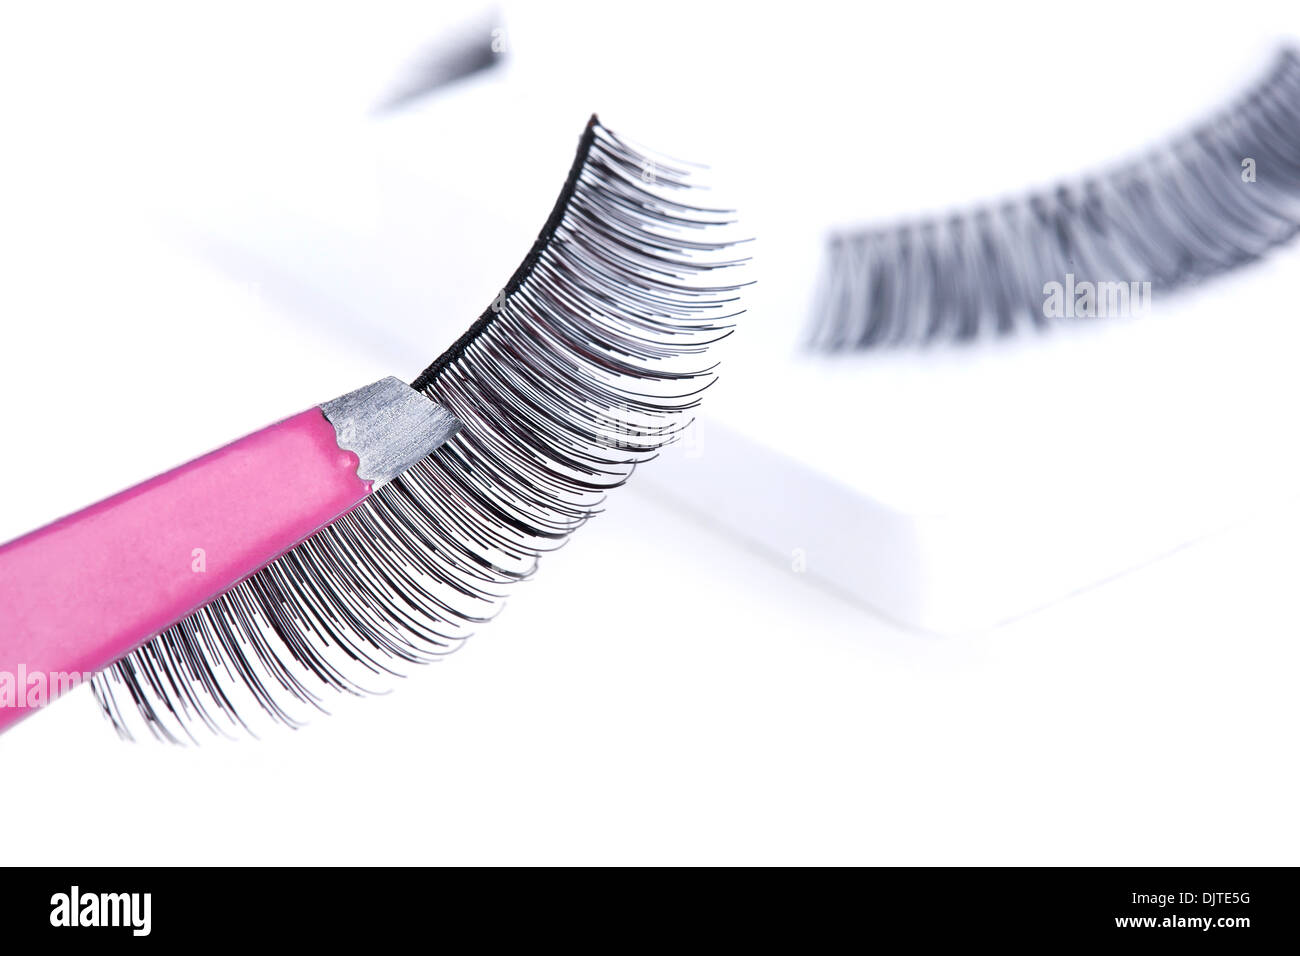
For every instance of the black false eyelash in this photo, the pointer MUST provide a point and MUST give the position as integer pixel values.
(1172, 218)
(474, 48)
(578, 371)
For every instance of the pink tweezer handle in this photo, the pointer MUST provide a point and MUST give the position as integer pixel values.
(82, 592)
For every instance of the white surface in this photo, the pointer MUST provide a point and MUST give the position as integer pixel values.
(958, 488)
(659, 694)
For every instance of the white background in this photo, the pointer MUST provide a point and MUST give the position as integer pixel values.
(659, 694)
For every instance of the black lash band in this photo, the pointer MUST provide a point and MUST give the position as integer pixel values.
(1173, 218)
(579, 370)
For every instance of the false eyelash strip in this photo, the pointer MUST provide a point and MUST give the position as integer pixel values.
(1174, 217)
(582, 367)
(571, 377)
(466, 51)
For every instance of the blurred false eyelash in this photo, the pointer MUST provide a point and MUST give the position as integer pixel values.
(473, 48)
(579, 370)
(1179, 215)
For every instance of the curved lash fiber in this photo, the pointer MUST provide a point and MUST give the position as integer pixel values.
(579, 370)
(1174, 217)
